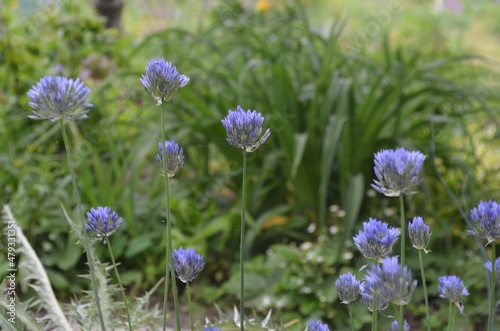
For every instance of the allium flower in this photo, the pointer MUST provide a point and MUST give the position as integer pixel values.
(348, 288)
(397, 171)
(395, 326)
(453, 289)
(162, 80)
(211, 328)
(366, 294)
(487, 265)
(420, 233)
(391, 282)
(489, 215)
(243, 129)
(174, 157)
(313, 325)
(56, 98)
(103, 221)
(376, 239)
(187, 264)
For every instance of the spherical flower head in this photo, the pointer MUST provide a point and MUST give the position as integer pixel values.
(395, 326)
(348, 288)
(162, 80)
(211, 328)
(376, 239)
(366, 293)
(103, 221)
(174, 157)
(397, 171)
(419, 233)
(453, 289)
(488, 216)
(487, 265)
(57, 98)
(187, 264)
(243, 129)
(313, 325)
(391, 282)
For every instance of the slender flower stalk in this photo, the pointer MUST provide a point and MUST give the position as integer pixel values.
(372, 302)
(187, 265)
(451, 320)
(491, 311)
(420, 234)
(86, 241)
(243, 130)
(161, 81)
(120, 283)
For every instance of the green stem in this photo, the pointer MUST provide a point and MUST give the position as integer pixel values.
(374, 313)
(401, 320)
(450, 317)
(189, 306)
(454, 317)
(403, 230)
(491, 316)
(403, 247)
(425, 290)
(119, 283)
(167, 211)
(242, 239)
(86, 241)
(172, 274)
(350, 316)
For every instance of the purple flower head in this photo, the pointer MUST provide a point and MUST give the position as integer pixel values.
(487, 265)
(366, 293)
(56, 98)
(395, 326)
(391, 282)
(313, 325)
(419, 233)
(376, 239)
(103, 221)
(211, 328)
(397, 171)
(187, 264)
(174, 157)
(243, 129)
(348, 288)
(489, 226)
(162, 80)
(453, 289)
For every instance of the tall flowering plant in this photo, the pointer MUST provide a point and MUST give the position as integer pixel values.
(58, 98)
(243, 130)
(487, 217)
(161, 81)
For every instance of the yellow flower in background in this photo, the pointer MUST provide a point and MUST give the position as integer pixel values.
(263, 5)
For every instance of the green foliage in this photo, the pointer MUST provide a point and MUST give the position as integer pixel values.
(329, 109)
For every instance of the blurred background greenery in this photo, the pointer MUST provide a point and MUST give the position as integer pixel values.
(336, 81)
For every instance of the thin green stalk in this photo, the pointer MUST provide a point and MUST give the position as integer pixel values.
(401, 319)
(119, 283)
(493, 280)
(189, 306)
(374, 313)
(403, 247)
(172, 274)
(242, 239)
(167, 211)
(425, 290)
(86, 241)
(350, 316)
(450, 317)
(403, 230)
